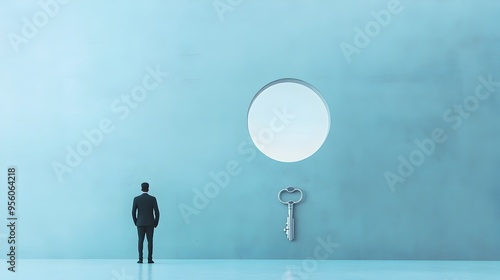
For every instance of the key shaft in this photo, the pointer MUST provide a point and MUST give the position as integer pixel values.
(290, 223)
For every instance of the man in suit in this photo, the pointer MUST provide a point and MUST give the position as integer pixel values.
(146, 216)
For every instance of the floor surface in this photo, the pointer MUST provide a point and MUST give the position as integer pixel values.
(250, 269)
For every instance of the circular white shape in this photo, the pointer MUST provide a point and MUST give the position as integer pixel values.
(288, 120)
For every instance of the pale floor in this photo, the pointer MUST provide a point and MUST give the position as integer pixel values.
(251, 269)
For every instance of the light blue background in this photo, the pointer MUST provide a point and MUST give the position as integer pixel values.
(65, 79)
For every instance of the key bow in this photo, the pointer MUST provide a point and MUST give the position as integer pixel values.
(290, 190)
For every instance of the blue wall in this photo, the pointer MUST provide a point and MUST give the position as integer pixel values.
(78, 69)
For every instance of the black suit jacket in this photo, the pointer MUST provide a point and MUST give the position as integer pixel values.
(142, 210)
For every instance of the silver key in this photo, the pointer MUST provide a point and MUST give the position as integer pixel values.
(290, 221)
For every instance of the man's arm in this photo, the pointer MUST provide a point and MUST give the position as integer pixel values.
(134, 211)
(157, 212)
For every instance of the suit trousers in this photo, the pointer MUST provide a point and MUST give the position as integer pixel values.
(148, 232)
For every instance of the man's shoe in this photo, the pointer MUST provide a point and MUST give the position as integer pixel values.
(139, 261)
(151, 261)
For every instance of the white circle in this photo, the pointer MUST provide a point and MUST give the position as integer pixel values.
(294, 118)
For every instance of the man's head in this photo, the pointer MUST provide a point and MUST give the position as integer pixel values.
(145, 187)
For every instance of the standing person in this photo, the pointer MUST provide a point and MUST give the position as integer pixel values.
(146, 216)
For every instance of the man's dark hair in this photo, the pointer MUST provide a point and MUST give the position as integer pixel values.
(145, 187)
